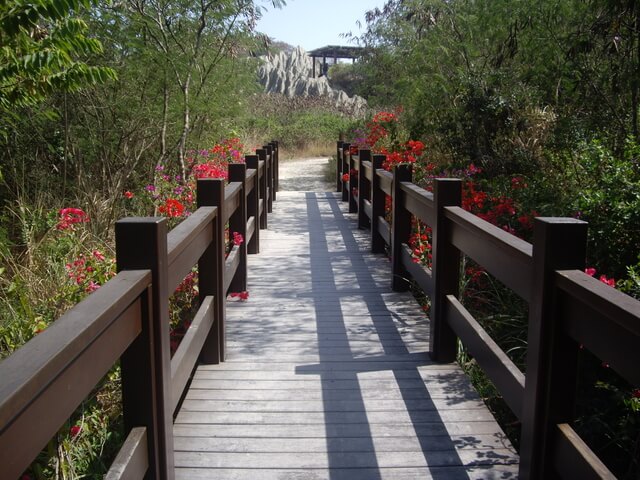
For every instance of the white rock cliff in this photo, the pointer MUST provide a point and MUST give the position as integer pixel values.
(290, 74)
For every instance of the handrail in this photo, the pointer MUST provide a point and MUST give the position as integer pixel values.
(187, 242)
(44, 381)
(602, 319)
(503, 255)
(419, 202)
(566, 306)
(65, 362)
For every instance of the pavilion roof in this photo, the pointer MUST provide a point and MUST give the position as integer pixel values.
(336, 51)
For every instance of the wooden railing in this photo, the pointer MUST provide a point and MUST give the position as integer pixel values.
(127, 320)
(568, 309)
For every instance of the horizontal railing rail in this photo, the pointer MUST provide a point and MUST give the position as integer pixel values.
(567, 308)
(127, 320)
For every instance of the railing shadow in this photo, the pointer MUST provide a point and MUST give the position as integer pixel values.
(352, 430)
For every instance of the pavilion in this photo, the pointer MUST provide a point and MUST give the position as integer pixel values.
(335, 52)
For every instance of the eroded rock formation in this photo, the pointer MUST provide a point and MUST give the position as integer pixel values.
(290, 74)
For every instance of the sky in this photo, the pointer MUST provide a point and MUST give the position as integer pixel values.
(313, 24)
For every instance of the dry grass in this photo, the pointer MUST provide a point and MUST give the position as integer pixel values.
(310, 150)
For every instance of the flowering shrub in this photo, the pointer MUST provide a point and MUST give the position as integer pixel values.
(89, 272)
(603, 278)
(420, 243)
(71, 216)
(81, 266)
(605, 194)
(172, 208)
(182, 307)
(173, 196)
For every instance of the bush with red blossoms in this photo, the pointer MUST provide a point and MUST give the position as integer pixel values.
(173, 196)
(603, 278)
(68, 217)
(605, 195)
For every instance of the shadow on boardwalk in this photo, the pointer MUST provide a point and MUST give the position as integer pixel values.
(328, 375)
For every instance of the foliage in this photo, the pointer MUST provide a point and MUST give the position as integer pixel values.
(609, 199)
(343, 76)
(62, 263)
(497, 81)
(297, 122)
(41, 44)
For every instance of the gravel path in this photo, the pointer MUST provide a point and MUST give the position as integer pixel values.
(305, 175)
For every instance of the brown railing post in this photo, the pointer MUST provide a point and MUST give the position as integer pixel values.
(400, 228)
(264, 186)
(345, 169)
(210, 192)
(141, 243)
(353, 184)
(364, 189)
(238, 224)
(558, 244)
(253, 246)
(277, 142)
(269, 150)
(339, 166)
(276, 160)
(446, 270)
(377, 206)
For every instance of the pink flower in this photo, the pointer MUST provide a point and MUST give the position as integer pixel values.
(98, 255)
(590, 271)
(92, 287)
(238, 239)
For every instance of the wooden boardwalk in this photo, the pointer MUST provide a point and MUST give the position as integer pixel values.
(328, 375)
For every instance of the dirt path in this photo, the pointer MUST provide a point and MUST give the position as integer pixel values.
(305, 175)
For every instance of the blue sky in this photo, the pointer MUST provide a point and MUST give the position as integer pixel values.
(315, 23)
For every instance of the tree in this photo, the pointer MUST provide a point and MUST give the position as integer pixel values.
(41, 43)
(192, 40)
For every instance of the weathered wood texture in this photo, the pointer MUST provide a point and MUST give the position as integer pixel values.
(327, 373)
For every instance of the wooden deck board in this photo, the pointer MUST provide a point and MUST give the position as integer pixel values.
(328, 374)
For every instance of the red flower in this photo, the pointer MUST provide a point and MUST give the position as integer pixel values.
(70, 216)
(525, 222)
(609, 281)
(590, 271)
(345, 177)
(518, 183)
(636, 393)
(75, 431)
(128, 195)
(172, 208)
(243, 296)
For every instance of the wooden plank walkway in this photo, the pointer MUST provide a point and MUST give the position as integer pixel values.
(328, 376)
